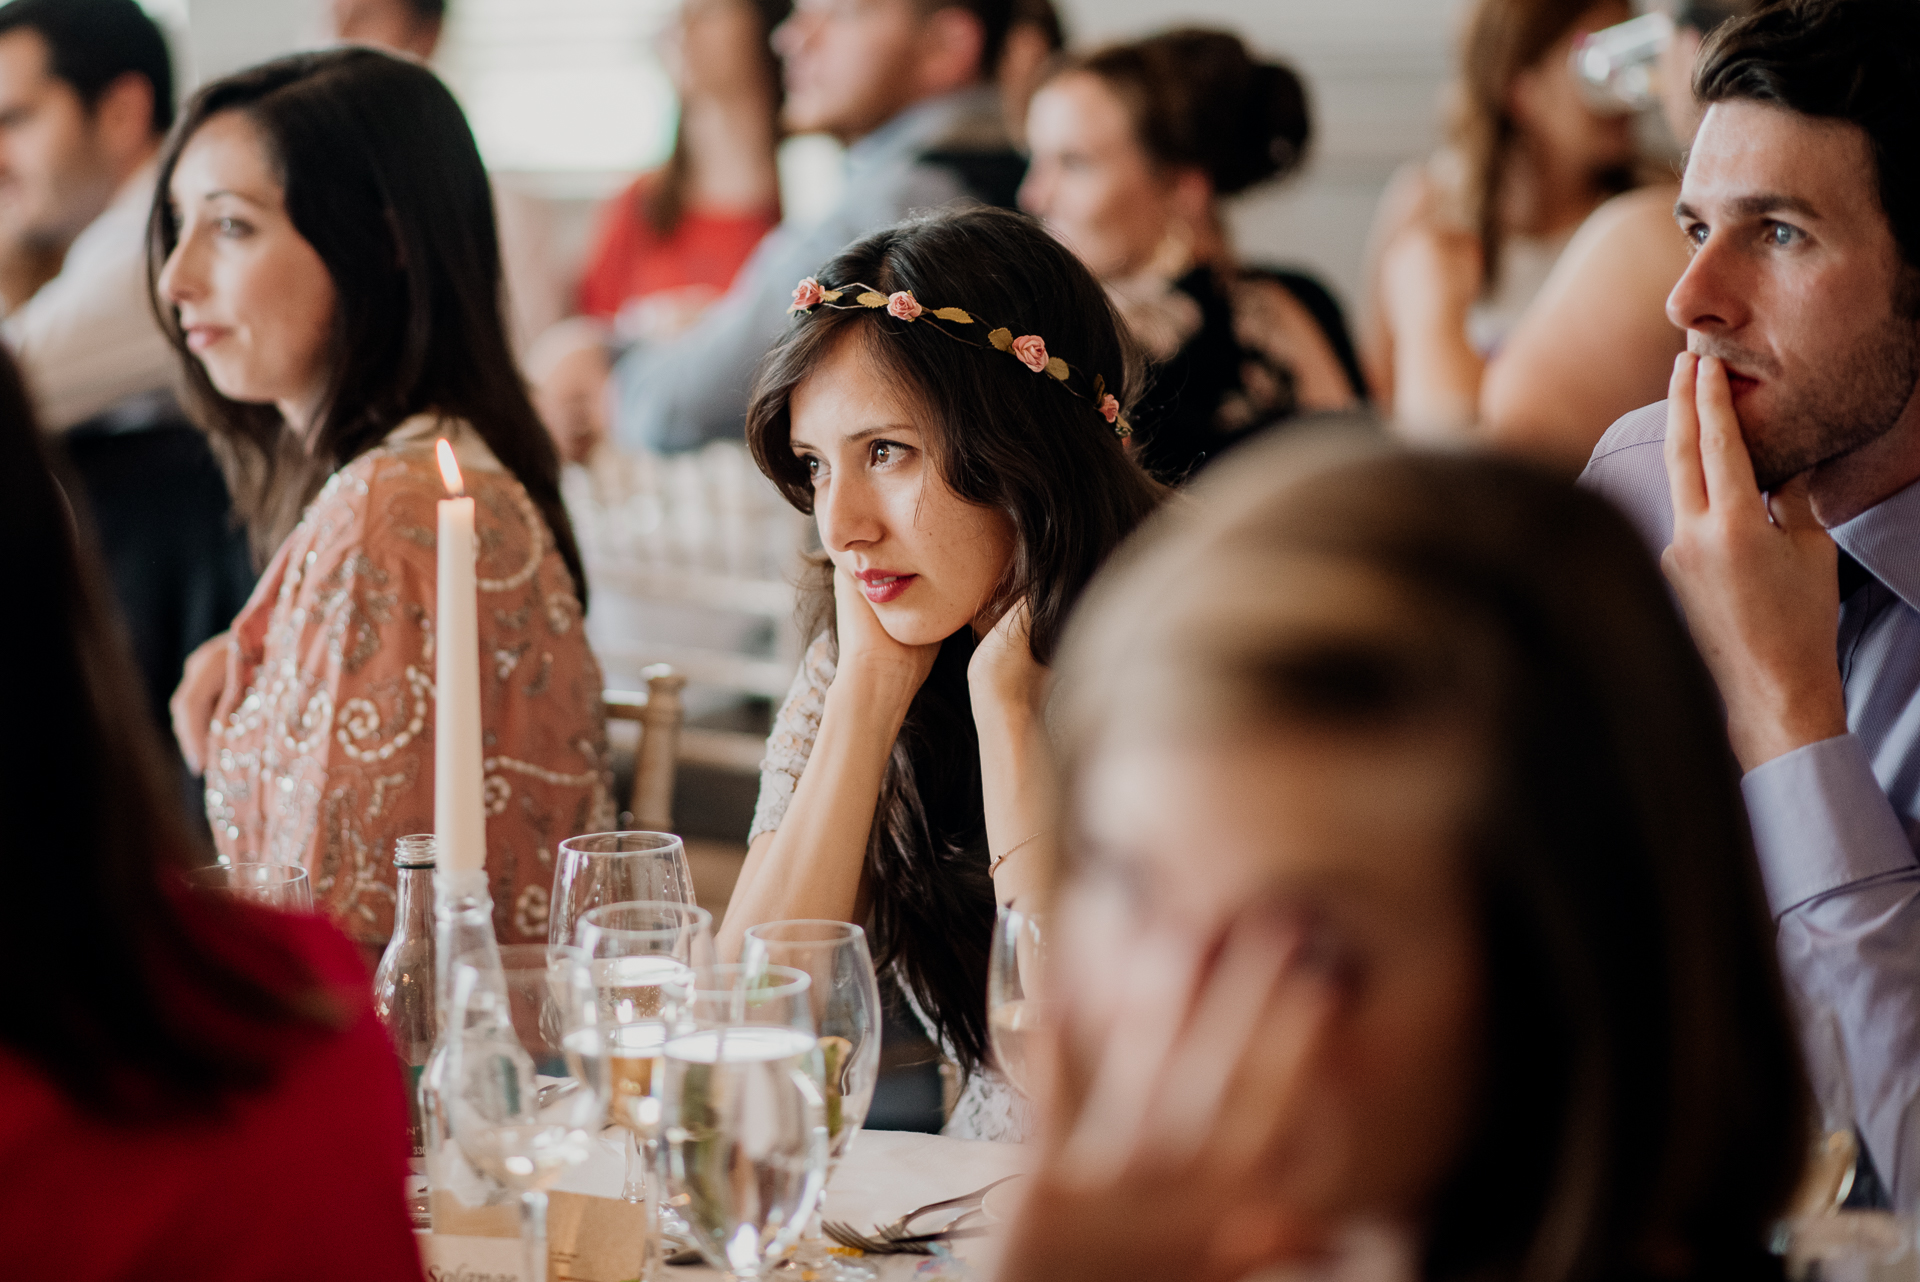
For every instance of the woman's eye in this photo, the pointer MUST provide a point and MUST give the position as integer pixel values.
(232, 228)
(887, 452)
(812, 464)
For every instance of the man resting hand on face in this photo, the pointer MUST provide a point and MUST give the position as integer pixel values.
(1778, 479)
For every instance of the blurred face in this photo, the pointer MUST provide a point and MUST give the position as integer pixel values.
(1550, 109)
(385, 24)
(715, 50)
(1797, 284)
(253, 298)
(1190, 840)
(847, 64)
(925, 558)
(1090, 180)
(55, 174)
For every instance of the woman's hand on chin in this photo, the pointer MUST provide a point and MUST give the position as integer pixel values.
(1003, 671)
(867, 652)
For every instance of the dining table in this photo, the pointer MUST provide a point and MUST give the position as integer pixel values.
(882, 1176)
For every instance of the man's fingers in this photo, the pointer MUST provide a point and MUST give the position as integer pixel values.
(1684, 476)
(1792, 507)
(1723, 451)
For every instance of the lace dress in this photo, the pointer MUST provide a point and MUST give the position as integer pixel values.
(988, 1108)
(321, 748)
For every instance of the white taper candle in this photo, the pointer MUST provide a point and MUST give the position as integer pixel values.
(459, 811)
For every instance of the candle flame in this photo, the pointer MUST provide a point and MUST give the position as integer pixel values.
(449, 469)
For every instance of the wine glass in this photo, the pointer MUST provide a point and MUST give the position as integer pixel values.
(282, 886)
(744, 1122)
(1016, 1004)
(534, 1018)
(632, 949)
(612, 868)
(845, 996)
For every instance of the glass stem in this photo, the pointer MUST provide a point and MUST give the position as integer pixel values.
(654, 1262)
(533, 1233)
(633, 1190)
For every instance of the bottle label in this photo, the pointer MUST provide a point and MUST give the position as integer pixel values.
(416, 1127)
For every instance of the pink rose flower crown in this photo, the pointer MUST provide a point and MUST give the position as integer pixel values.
(1029, 349)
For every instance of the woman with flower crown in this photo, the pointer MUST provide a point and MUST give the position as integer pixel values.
(949, 404)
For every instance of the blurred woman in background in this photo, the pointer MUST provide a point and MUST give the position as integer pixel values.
(1414, 919)
(1463, 242)
(188, 1084)
(324, 258)
(1546, 396)
(1135, 148)
(668, 245)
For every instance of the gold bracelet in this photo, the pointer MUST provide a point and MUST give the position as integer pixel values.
(994, 867)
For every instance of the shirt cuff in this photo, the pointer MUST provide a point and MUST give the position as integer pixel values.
(1821, 822)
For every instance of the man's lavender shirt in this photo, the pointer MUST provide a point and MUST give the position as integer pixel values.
(1836, 823)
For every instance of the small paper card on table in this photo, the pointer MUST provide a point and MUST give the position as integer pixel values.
(589, 1239)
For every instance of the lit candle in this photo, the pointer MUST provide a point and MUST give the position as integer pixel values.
(459, 815)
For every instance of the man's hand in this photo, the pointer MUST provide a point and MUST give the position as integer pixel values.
(1754, 573)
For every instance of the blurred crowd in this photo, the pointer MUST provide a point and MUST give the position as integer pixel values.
(1459, 870)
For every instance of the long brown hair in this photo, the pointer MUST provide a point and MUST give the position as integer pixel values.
(663, 202)
(1642, 1107)
(1001, 437)
(135, 998)
(383, 179)
(1502, 38)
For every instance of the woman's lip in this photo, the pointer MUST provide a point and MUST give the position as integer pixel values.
(201, 337)
(882, 586)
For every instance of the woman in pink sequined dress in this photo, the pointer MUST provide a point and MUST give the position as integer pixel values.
(331, 279)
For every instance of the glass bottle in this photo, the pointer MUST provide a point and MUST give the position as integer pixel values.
(405, 998)
(463, 925)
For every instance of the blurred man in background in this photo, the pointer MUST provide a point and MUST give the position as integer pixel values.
(907, 85)
(86, 93)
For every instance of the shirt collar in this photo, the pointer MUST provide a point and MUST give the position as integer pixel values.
(1886, 540)
(928, 123)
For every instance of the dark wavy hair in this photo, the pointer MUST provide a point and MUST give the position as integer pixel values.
(383, 179)
(1642, 1108)
(1855, 61)
(1001, 437)
(173, 1001)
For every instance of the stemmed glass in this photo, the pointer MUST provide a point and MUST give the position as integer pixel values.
(1016, 1004)
(282, 886)
(845, 997)
(744, 1120)
(533, 1018)
(614, 868)
(633, 949)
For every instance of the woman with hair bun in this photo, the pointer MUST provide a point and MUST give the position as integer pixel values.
(1134, 149)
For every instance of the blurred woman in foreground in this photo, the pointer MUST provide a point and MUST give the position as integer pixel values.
(323, 254)
(189, 1085)
(1413, 911)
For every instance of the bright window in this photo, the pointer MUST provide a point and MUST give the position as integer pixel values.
(562, 85)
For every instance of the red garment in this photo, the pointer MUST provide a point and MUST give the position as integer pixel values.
(302, 1180)
(628, 259)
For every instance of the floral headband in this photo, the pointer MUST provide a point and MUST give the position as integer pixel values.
(1029, 349)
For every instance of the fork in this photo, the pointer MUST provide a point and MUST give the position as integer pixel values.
(900, 1243)
(898, 1229)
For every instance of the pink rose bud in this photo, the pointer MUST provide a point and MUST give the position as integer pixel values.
(807, 294)
(902, 305)
(1109, 408)
(1032, 351)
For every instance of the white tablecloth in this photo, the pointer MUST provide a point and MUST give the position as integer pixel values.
(884, 1175)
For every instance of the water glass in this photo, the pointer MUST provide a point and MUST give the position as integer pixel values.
(527, 1075)
(744, 1119)
(612, 868)
(1016, 1003)
(845, 997)
(282, 886)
